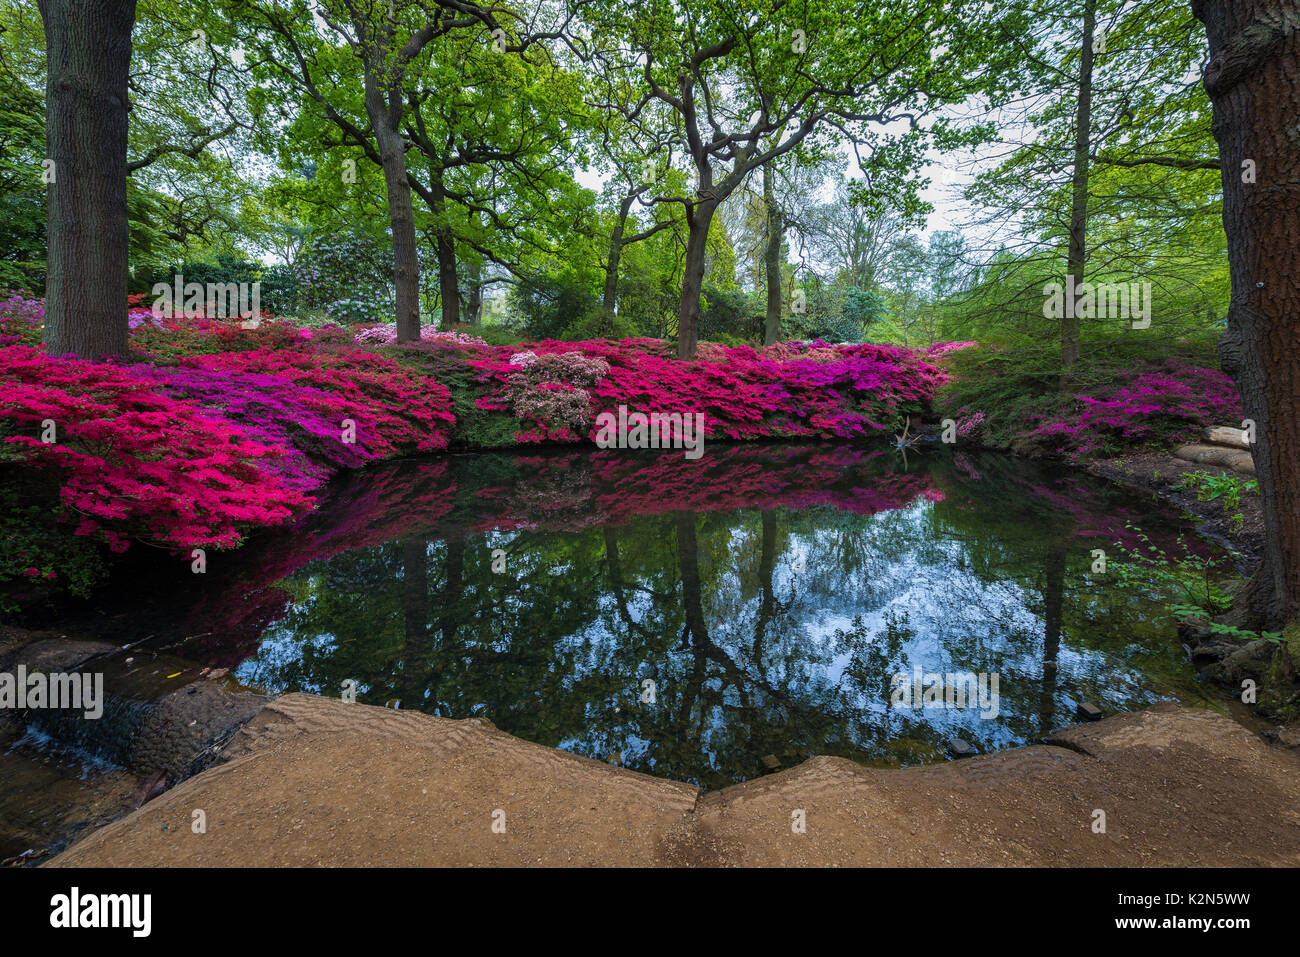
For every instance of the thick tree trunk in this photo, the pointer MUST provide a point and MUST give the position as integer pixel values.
(1077, 254)
(1254, 87)
(88, 49)
(609, 299)
(772, 261)
(688, 315)
(401, 214)
(448, 289)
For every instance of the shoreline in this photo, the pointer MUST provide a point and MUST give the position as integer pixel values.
(311, 781)
(250, 712)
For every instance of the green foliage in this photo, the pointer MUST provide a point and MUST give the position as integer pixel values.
(729, 314)
(550, 306)
(863, 308)
(37, 551)
(1190, 578)
(1209, 487)
(449, 366)
(1017, 383)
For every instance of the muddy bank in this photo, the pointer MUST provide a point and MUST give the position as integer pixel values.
(319, 782)
(162, 720)
(1265, 673)
(1162, 473)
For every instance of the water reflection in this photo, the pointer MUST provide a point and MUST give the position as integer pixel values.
(768, 594)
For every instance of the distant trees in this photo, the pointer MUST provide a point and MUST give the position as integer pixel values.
(749, 83)
(1107, 173)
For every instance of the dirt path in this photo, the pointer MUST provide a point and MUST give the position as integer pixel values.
(314, 781)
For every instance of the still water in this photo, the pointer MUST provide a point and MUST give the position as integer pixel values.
(710, 620)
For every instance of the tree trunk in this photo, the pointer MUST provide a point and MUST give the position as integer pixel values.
(88, 48)
(1078, 250)
(772, 261)
(688, 315)
(1255, 91)
(473, 303)
(401, 214)
(609, 300)
(445, 248)
(448, 289)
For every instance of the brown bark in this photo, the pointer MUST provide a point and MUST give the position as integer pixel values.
(448, 288)
(1077, 254)
(688, 314)
(1254, 87)
(88, 48)
(382, 83)
(401, 214)
(609, 299)
(772, 261)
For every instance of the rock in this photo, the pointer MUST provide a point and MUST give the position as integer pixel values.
(1240, 662)
(1231, 458)
(771, 762)
(1289, 737)
(1227, 435)
(179, 732)
(960, 749)
(1088, 711)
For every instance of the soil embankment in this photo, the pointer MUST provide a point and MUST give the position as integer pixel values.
(312, 781)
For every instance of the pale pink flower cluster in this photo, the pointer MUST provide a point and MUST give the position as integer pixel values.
(386, 335)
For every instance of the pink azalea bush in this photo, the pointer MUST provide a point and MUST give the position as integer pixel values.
(395, 411)
(226, 428)
(21, 319)
(386, 334)
(552, 392)
(799, 390)
(130, 460)
(1151, 403)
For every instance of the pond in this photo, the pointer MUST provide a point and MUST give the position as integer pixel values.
(707, 621)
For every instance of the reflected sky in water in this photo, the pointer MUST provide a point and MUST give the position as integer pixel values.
(770, 593)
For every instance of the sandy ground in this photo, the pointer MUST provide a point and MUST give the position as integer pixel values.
(314, 781)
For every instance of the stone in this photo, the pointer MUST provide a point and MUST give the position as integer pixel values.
(771, 762)
(1088, 711)
(960, 749)
(1226, 435)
